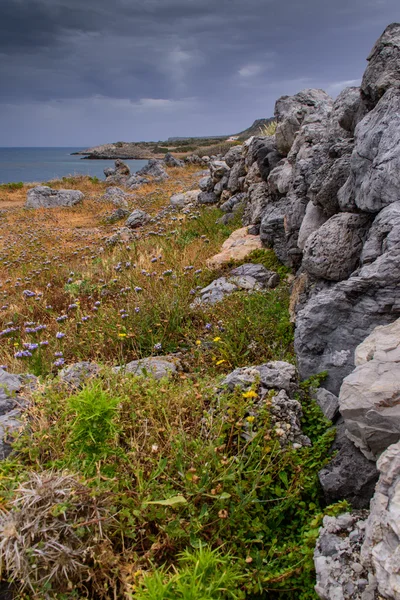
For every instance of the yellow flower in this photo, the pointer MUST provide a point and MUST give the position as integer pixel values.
(217, 339)
(250, 394)
(219, 362)
(122, 335)
(198, 342)
(250, 419)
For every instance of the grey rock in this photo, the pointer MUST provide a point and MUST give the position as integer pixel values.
(290, 112)
(136, 181)
(333, 251)
(10, 423)
(233, 155)
(313, 220)
(384, 234)
(373, 182)
(118, 215)
(383, 71)
(280, 178)
(218, 170)
(268, 279)
(231, 204)
(236, 174)
(277, 375)
(328, 403)
(223, 286)
(171, 161)
(152, 366)
(137, 218)
(340, 573)
(335, 320)
(369, 396)
(272, 229)
(117, 196)
(207, 198)
(349, 108)
(119, 174)
(206, 184)
(349, 475)
(183, 199)
(43, 196)
(78, 374)
(155, 170)
(221, 185)
(258, 197)
(380, 549)
(9, 386)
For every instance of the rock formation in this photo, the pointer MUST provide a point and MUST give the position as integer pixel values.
(43, 196)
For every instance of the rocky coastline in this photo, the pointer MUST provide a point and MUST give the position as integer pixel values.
(323, 193)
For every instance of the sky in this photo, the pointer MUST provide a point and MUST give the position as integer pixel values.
(86, 72)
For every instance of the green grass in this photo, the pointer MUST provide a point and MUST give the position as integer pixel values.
(12, 186)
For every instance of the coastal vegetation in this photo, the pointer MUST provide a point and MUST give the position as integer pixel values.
(131, 487)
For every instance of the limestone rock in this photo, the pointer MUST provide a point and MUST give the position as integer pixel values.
(380, 552)
(206, 184)
(171, 161)
(119, 174)
(77, 374)
(373, 182)
(333, 251)
(207, 198)
(349, 475)
(383, 71)
(328, 403)
(384, 234)
(43, 196)
(233, 155)
(155, 170)
(137, 218)
(117, 196)
(340, 573)
(268, 279)
(136, 181)
(239, 245)
(290, 112)
(153, 366)
(370, 396)
(313, 220)
(278, 375)
(184, 198)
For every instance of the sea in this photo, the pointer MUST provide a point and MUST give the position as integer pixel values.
(43, 164)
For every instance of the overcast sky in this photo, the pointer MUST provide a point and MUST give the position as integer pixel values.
(85, 72)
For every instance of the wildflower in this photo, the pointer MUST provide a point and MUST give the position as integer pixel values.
(44, 343)
(223, 514)
(31, 347)
(217, 339)
(59, 354)
(122, 335)
(198, 342)
(97, 303)
(154, 449)
(219, 362)
(138, 289)
(250, 394)
(22, 354)
(62, 318)
(208, 326)
(85, 318)
(250, 419)
(72, 306)
(60, 335)
(157, 346)
(28, 294)
(59, 362)
(137, 309)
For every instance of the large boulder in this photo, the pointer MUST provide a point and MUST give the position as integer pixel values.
(383, 71)
(119, 174)
(43, 196)
(333, 251)
(116, 196)
(313, 220)
(373, 182)
(233, 155)
(184, 198)
(290, 112)
(171, 161)
(370, 396)
(336, 319)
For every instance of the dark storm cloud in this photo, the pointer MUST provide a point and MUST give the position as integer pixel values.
(87, 71)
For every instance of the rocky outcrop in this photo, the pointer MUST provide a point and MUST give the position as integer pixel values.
(119, 174)
(116, 196)
(154, 169)
(370, 396)
(380, 552)
(357, 556)
(153, 366)
(43, 196)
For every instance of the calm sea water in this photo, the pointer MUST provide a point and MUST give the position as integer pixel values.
(43, 164)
